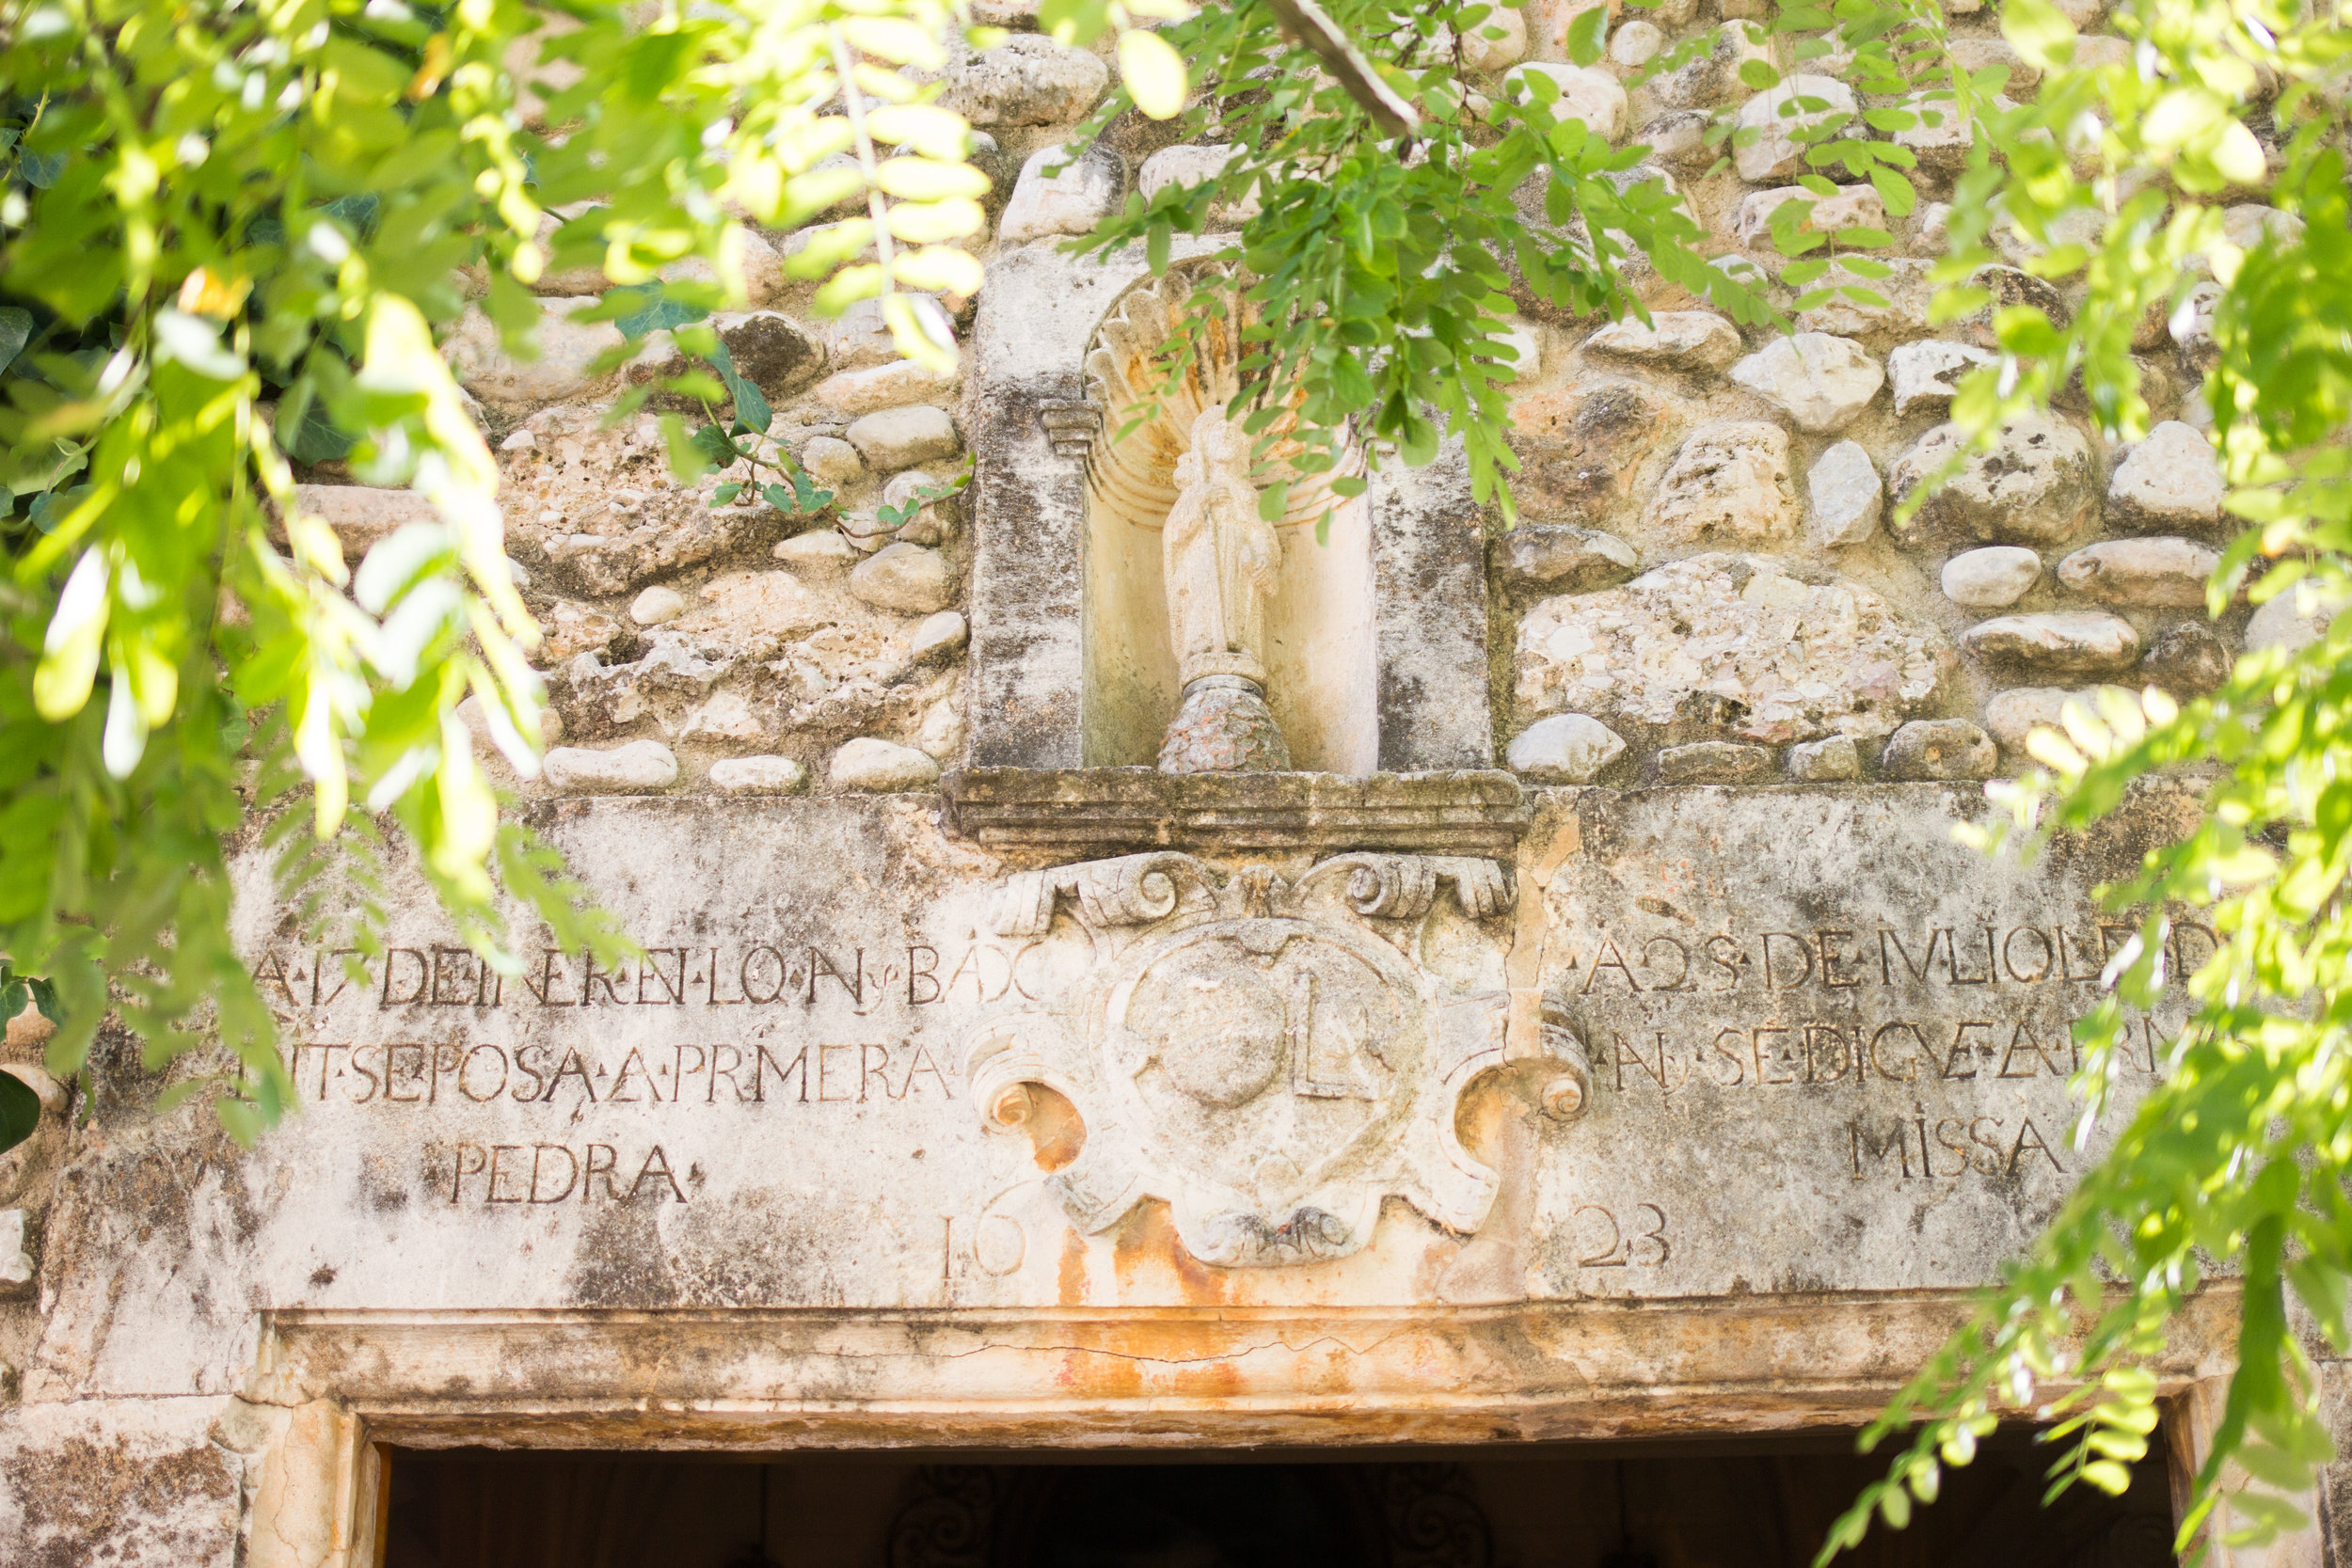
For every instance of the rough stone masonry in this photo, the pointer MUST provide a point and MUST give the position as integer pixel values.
(1632, 1051)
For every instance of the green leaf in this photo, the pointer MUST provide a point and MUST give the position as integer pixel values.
(16, 331)
(713, 444)
(722, 495)
(1153, 73)
(650, 308)
(19, 1111)
(2037, 30)
(1588, 34)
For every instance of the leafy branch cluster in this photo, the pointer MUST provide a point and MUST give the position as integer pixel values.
(2112, 182)
(1380, 267)
(228, 232)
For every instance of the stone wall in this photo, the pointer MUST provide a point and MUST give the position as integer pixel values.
(1714, 1103)
(1702, 586)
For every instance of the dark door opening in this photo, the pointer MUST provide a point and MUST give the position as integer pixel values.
(1763, 1503)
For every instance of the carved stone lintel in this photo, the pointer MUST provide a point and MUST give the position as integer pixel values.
(1099, 810)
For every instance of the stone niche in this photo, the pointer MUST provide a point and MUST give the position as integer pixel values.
(1322, 672)
(1377, 660)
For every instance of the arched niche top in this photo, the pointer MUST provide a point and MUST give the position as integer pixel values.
(1132, 477)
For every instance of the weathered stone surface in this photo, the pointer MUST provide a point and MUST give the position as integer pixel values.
(1992, 577)
(2157, 571)
(641, 764)
(129, 1482)
(822, 551)
(1679, 140)
(1825, 761)
(1765, 147)
(1678, 339)
(1567, 748)
(1941, 146)
(1846, 497)
(16, 1267)
(879, 386)
(2191, 326)
(762, 269)
(832, 461)
(1821, 382)
(1027, 79)
(1560, 558)
(1636, 43)
(1190, 165)
(771, 349)
(1582, 447)
(568, 350)
(1939, 749)
(657, 605)
(2292, 621)
(1926, 374)
(1795, 660)
(937, 636)
(1497, 39)
(1975, 55)
(1711, 78)
(758, 776)
(755, 611)
(900, 437)
(568, 629)
(1070, 201)
(362, 514)
(2170, 479)
(2034, 487)
(1587, 93)
(2063, 643)
(1714, 762)
(2009, 288)
(1852, 207)
(880, 766)
(1908, 291)
(2016, 713)
(1224, 725)
(2188, 658)
(907, 579)
(1731, 480)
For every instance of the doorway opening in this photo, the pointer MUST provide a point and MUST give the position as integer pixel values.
(1749, 1503)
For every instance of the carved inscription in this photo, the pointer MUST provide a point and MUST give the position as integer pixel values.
(450, 1073)
(540, 1173)
(1832, 959)
(1603, 1240)
(755, 975)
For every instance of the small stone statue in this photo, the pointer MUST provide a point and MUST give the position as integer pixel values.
(1221, 559)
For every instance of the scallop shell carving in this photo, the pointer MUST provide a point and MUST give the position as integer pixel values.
(1132, 475)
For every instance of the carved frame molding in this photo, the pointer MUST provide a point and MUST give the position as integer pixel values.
(331, 1387)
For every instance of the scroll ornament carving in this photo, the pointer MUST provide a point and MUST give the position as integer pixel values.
(1255, 1051)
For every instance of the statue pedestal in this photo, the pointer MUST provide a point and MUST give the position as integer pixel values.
(1224, 726)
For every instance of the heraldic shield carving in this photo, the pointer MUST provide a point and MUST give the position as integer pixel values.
(1260, 1054)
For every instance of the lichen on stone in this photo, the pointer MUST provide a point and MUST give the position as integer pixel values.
(1795, 659)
